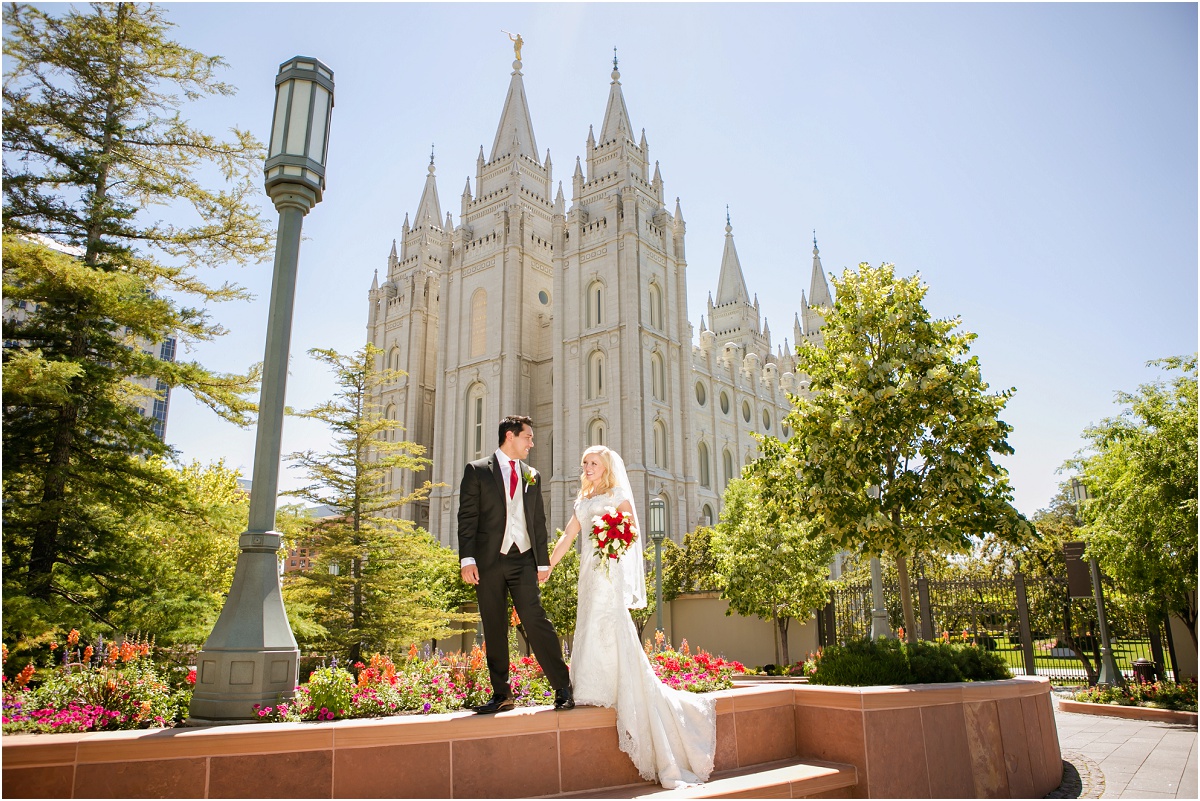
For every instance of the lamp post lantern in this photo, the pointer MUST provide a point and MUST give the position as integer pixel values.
(1109, 674)
(251, 655)
(658, 530)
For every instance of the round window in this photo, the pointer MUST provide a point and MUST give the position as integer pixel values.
(746, 411)
(544, 297)
(724, 403)
(766, 420)
(786, 431)
(701, 395)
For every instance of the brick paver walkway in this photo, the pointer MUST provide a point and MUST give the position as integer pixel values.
(1116, 758)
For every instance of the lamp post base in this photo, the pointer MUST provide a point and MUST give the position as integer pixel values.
(230, 683)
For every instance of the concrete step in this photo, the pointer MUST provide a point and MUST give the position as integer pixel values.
(790, 778)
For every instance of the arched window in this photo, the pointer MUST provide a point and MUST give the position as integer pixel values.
(595, 375)
(660, 444)
(594, 304)
(475, 434)
(478, 332)
(706, 516)
(656, 306)
(658, 377)
(705, 473)
(389, 433)
(595, 433)
(727, 463)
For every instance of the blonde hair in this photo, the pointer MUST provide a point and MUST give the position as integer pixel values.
(607, 481)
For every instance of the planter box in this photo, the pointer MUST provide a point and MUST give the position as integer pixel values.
(984, 739)
(1128, 712)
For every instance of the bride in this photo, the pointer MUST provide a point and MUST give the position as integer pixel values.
(669, 734)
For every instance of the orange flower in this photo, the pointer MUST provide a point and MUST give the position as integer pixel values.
(73, 637)
(412, 651)
(684, 647)
(514, 620)
(53, 645)
(87, 654)
(25, 675)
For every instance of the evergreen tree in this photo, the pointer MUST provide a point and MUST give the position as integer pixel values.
(94, 144)
(379, 583)
(893, 451)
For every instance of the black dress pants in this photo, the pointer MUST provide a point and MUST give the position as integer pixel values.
(516, 576)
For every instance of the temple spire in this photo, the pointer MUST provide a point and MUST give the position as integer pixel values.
(732, 285)
(616, 116)
(515, 125)
(429, 207)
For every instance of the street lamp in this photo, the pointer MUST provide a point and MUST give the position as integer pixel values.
(251, 656)
(658, 530)
(1108, 667)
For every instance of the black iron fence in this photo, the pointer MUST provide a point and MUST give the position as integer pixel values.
(1033, 624)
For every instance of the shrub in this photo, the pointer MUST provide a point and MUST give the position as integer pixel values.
(1158, 695)
(861, 663)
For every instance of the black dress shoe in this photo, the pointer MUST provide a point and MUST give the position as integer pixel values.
(495, 705)
(564, 698)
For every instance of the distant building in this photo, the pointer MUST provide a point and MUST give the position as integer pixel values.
(575, 313)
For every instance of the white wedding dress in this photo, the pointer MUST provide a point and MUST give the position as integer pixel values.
(671, 735)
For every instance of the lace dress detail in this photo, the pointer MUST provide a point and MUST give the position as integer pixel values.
(671, 735)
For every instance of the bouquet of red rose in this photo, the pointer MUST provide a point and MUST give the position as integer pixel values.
(612, 533)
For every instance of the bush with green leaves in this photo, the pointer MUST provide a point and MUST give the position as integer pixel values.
(1157, 695)
(861, 663)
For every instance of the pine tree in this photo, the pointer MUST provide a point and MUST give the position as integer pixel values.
(378, 582)
(94, 147)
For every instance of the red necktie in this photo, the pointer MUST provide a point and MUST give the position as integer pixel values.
(512, 479)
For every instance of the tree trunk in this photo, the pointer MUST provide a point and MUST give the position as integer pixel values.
(910, 620)
(775, 638)
(783, 628)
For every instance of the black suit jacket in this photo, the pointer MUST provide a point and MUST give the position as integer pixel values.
(483, 513)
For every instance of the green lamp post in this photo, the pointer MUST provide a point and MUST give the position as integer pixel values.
(251, 655)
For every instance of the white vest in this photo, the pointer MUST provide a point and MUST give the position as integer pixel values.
(515, 530)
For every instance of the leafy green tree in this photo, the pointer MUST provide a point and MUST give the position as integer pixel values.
(774, 567)
(894, 448)
(692, 568)
(1141, 474)
(95, 146)
(378, 582)
(560, 593)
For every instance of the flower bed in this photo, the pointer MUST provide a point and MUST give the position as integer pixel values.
(1156, 695)
(118, 686)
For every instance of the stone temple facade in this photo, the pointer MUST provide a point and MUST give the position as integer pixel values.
(574, 312)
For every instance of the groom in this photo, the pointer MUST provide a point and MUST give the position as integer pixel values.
(503, 551)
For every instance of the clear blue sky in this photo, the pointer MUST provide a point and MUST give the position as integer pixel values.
(1037, 164)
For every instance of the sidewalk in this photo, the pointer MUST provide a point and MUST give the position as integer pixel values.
(1117, 758)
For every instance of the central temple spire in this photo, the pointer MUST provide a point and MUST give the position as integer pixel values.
(515, 132)
(616, 116)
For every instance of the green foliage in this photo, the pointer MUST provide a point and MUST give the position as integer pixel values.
(692, 568)
(861, 663)
(1142, 477)
(378, 582)
(894, 444)
(560, 593)
(330, 689)
(94, 145)
(1157, 695)
(770, 564)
